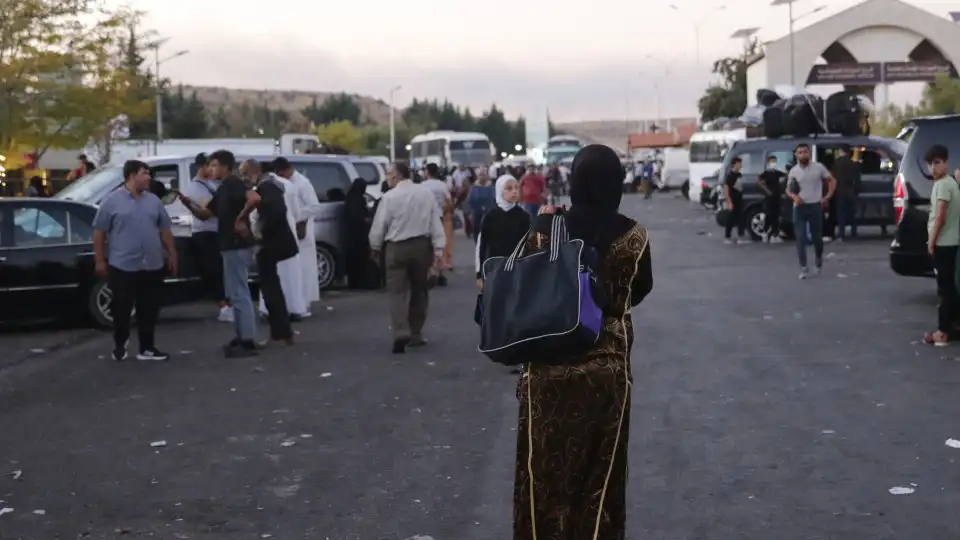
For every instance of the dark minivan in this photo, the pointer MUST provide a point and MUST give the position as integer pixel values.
(911, 192)
(878, 158)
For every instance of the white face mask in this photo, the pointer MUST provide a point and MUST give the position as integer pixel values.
(771, 166)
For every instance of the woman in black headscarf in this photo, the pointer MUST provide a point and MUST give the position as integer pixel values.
(571, 468)
(356, 247)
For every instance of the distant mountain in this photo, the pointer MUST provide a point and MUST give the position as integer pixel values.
(613, 133)
(292, 101)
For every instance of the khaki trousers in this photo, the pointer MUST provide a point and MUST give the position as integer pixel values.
(407, 265)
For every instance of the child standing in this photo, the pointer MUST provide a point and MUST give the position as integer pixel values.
(943, 232)
(503, 227)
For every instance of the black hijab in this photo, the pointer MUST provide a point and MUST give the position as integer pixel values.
(355, 204)
(596, 188)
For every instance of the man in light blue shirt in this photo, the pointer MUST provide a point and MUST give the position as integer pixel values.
(195, 196)
(133, 247)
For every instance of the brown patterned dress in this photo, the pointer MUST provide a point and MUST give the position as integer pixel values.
(574, 420)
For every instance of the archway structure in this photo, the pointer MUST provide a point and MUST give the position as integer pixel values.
(873, 42)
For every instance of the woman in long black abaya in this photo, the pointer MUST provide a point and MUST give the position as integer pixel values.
(356, 247)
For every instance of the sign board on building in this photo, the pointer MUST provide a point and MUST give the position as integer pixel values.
(878, 72)
(870, 73)
(916, 71)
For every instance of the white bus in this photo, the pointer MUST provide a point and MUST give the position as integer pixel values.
(707, 149)
(451, 148)
(562, 147)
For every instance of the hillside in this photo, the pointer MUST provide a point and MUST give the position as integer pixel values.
(292, 101)
(610, 132)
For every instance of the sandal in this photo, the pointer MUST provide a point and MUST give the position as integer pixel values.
(937, 339)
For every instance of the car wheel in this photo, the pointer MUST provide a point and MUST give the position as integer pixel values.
(98, 304)
(326, 266)
(685, 190)
(756, 222)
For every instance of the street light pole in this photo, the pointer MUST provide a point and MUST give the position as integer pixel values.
(696, 25)
(159, 84)
(793, 56)
(393, 126)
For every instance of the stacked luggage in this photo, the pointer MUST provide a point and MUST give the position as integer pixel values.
(801, 114)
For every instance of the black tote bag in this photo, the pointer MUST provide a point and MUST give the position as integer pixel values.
(539, 306)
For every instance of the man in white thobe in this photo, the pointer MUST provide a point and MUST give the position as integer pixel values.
(310, 207)
(289, 270)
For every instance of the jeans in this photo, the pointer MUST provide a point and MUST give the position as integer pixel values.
(140, 289)
(846, 215)
(808, 215)
(207, 255)
(236, 273)
(531, 208)
(945, 262)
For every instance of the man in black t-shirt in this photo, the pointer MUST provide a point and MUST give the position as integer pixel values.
(733, 192)
(232, 204)
(771, 181)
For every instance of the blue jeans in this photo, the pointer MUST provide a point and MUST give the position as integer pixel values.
(808, 215)
(236, 273)
(846, 215)
(531, 208)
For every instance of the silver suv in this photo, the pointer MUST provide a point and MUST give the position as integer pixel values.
(330, 175)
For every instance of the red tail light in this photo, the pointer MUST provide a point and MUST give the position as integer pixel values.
(703, 185)
(899, 198)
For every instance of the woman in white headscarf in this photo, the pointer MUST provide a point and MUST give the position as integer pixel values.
(503, 227)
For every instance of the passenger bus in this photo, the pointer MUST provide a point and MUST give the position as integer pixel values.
(451, 148)
(707, 149)
(562, 147)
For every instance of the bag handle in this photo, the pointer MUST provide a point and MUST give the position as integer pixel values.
(558, 237)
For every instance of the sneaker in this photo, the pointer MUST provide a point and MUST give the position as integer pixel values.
(226, 314)
(742, 241)
(243, 349)
(776, 240)
(818, 270)
(804, 273)
(728, 241)
(153, 355)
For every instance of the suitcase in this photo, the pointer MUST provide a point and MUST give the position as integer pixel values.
(774, 123)
(804, 115)
(767, 97)
(845, 114)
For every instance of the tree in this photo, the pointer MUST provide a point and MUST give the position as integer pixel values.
(62, 76)
(338, 107)
(189, 117)
(342, 134)
(728, 98)
(495, 126)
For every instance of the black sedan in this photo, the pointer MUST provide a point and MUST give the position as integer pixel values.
(47, 264)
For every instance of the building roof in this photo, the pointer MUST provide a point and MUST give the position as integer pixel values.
(664, 139)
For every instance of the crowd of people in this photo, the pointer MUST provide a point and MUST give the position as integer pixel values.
(248, 212)
(823, 201)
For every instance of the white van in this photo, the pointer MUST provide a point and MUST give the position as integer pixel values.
(707, 149)
(675, 172)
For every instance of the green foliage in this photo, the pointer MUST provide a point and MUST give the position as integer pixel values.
(336, 108)
(728, 97)
(940, 97)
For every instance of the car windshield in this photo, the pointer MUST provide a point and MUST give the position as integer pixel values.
(93, 187)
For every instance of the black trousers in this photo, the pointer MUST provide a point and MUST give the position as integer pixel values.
(830, 220)
(135, 289)
(272, 292)
(206, 248)
(945, 262)
(735, 219)
(771, 211)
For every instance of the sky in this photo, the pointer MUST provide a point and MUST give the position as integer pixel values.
(616, 60)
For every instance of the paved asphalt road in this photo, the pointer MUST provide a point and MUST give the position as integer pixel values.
(764, 408)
